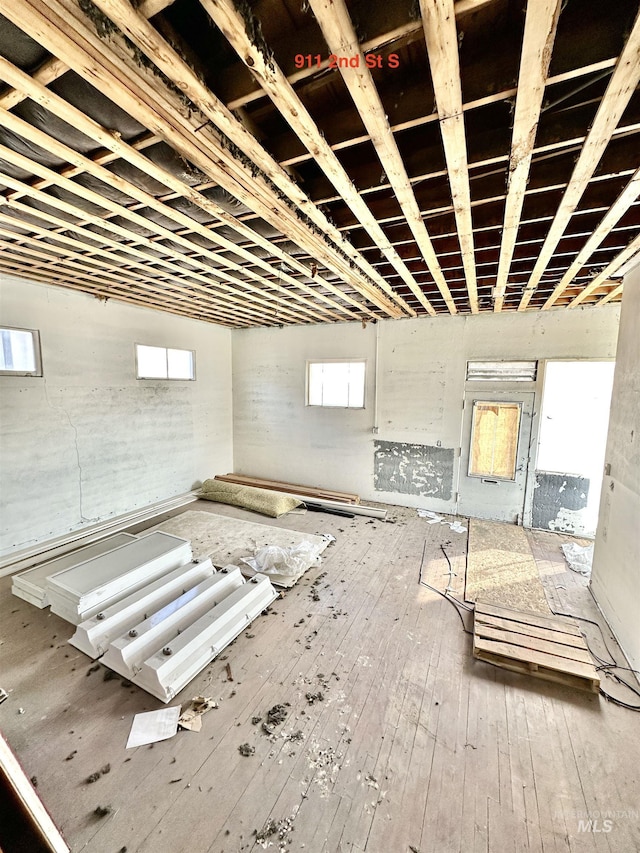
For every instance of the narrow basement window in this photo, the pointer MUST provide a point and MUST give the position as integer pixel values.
(336, 384)
(20, 352)
(164, 363)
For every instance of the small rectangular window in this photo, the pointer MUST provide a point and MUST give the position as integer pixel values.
(164, 363)
(20, 352)
(502, 371)
(494, 439)
(336, 384)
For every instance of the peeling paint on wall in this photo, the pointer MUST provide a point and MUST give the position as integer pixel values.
(414, 469)
(558, 500)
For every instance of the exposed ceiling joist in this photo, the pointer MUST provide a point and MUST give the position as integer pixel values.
(622, 85)
(62, 27)
(342, 40)
(539, 34)
(366, 186)
(610, 270)
(617, 210)
(167, 60)
(439, 23)
(92, 129)
(274, 82)
(613, 294)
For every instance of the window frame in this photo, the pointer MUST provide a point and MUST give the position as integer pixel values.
(166, 378)
(311, 361)
(37, 352)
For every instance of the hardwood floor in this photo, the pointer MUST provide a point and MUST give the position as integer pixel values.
(414, 746)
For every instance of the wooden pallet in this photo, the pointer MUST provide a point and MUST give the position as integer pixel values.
(293, 488)
(547, 647)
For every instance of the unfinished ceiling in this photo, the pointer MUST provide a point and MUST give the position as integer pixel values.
(281, 162)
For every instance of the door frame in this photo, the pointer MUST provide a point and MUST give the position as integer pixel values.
(486, 390)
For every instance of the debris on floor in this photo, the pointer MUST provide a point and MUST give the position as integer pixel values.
(275, 717)
(578, 557)
(154, 726)
(191, 717)
(433, 518)
(95, 776)
(102, 811)
(279, 828)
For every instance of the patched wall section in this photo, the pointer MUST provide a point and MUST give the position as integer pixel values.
(558, 500)
(413, 469)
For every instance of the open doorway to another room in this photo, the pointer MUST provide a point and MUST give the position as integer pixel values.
(571, 446)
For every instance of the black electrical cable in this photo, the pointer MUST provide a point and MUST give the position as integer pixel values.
(606, 666)
(451, 602)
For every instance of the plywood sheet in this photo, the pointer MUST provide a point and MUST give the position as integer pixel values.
(501, 568)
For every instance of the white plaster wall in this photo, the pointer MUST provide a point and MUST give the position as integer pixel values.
(615, 577)
(88, 441)
(421, 378)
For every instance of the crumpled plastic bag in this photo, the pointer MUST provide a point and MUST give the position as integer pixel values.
(275, 560)
(579, 557)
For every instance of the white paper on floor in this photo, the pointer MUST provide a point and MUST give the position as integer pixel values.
(578, 557)
(153, 726)
(434, 518)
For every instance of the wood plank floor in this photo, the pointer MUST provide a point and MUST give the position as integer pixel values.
(415, 746)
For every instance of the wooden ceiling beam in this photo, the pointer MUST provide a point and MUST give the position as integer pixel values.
(47, 73)
(323, 239)
(203, 282)
(417, 93)
(75, 258)
(622, 85)
(41, 139)
(441, 36)
(627, 197)
(267, 72)
(539, 35)
(119, 148)
(389, 22)
(610, 270)
(149, 8)
(62, 27)
(613, 294)
(104, 293)
(92, 280)
(341, 38)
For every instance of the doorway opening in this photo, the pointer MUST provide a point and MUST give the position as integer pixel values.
(572, 441)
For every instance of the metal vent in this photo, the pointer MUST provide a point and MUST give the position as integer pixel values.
(502, 371)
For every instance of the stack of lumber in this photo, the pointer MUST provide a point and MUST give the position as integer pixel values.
(290, 488)
(547, 647)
